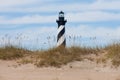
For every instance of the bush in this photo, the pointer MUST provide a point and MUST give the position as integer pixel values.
(10, 52)
(60, 56)
(114, 53)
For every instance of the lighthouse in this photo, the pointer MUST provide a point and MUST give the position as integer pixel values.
(61, 40)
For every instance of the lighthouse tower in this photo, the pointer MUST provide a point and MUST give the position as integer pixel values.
(61, 40)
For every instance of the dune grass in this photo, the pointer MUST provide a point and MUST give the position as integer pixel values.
(11, 52)
(114, 53)
(59, 56)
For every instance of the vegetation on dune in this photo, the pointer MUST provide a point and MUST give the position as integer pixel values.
(59, 56)
(114, 53)
(11, 52)
(52, 57)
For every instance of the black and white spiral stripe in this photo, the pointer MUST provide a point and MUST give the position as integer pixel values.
(61, 41)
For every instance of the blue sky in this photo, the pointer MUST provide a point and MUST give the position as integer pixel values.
(34, 21)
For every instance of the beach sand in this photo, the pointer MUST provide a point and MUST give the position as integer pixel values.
(84, 70)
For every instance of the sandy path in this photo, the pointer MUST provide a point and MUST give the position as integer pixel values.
(79, 71)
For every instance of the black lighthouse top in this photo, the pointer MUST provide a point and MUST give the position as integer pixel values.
(61, 14)
(61, 20)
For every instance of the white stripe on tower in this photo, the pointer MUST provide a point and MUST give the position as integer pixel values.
(60, 28)
(61, 39)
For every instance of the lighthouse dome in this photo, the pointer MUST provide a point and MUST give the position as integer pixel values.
(61, 14)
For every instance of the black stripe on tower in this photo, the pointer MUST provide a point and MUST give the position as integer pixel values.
(61, 40)
(61, 33)
(61, 36)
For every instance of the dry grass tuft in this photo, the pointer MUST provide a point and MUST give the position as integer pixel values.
(114, 53)
(10, 52)
(61, 56)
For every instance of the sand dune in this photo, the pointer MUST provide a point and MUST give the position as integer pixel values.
(85, 70)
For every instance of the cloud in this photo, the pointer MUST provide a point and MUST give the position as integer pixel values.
(51, 6)
(29, 19)
(75, 12)
(2, 17)
(31, 38)
(94, 16)
(11, 3)
(86, 35)
(102, 34)
(92, 31)
(46, 11)
(21, 3)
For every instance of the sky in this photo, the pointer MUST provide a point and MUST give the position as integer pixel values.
(32, 23)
